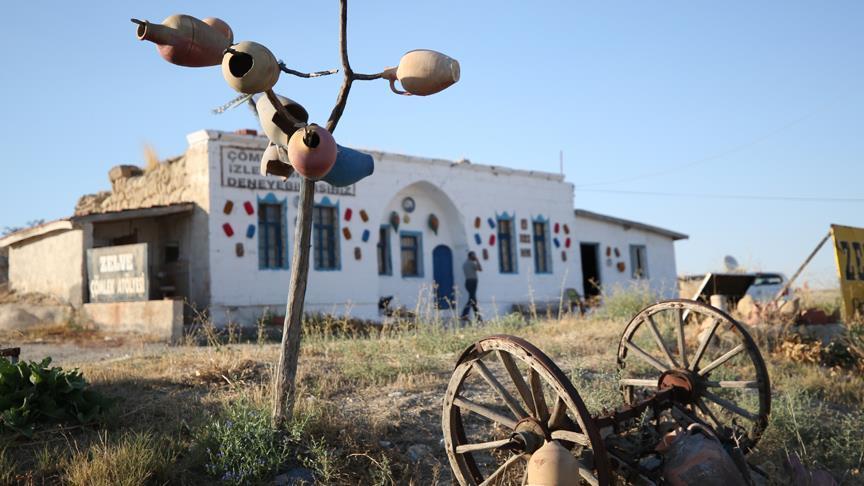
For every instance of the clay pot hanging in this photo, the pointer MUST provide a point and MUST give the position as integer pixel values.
(552, 464)
(274, 161)
(186, 41)
(394, 220)
(312, 151)
(433, 223)
(250, 68)
(350, 167)
(276, 127)
(423, 72)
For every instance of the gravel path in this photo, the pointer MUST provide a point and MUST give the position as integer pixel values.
(70, 354)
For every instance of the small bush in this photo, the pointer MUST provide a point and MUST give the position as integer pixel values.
(625, 302)
(132, 460)
(242, 447)
(33, 393)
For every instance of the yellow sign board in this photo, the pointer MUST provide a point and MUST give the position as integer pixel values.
(849, 250)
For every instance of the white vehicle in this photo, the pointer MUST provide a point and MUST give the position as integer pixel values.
(766, 286)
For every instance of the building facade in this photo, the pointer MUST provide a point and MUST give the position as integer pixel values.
(220, 236)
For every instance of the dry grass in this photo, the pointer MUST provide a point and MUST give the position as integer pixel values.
(364, 401)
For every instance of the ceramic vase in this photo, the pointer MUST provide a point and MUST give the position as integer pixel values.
(250, 68)
(186, 41)
(276, 127)
(312, 151)
(423, 72)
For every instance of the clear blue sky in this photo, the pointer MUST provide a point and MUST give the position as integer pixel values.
(767, 95)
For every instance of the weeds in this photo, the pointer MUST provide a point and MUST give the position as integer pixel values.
(130, 460)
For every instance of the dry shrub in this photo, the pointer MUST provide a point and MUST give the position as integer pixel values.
(231, 373)
(132, 459)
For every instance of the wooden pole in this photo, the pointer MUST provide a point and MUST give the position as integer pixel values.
(284, 390)
(801, 268)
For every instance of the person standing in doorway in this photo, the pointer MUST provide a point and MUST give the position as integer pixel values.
(470, 268)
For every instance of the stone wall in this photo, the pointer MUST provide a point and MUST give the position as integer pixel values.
(51, 264)
(131, 188)
(160, 319)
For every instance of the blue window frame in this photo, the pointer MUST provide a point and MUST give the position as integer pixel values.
(272, 233)
(506, 245)
(385, 264)
(325, 235)
(411, 250)
(542, 262)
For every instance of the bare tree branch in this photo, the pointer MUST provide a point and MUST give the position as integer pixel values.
(316, 74)
(348, 74)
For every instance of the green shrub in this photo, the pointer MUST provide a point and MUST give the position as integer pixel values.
(624, 302)
(242, 447)
(32, 393)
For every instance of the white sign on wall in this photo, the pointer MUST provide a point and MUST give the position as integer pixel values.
(241, 169)
(118, 273)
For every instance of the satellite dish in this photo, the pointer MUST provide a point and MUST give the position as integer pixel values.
(730, 263)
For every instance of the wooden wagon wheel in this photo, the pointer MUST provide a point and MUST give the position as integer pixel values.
(494, 418)
(703, 350)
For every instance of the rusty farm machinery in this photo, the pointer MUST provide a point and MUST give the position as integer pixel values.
(696, 399)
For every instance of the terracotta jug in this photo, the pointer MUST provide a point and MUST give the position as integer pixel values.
(552, 465)
(187, 41)
(351, 166)
(277, 128)
(423, 72)
(250, 68)
(274, 161)
(312, 151)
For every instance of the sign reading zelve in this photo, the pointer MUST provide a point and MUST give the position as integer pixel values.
(240, 169)
(849, 250)
(118, 273)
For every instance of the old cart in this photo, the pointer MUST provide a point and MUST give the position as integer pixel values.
(679, 363)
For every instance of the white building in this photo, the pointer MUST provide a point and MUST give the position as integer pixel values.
(220, 236)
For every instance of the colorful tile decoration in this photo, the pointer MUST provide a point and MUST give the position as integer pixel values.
(485, 254)
(239, 250)
(248, 207)
(348, 214)
(566, 229)
(564, 256)
(357, 253)
(617, 253)
(346, 233)
(567, 242)
(491, 223)
(477, 222)
(557, 243)
(229, 231)
(365, 237)
(250, 231)
(406, 219)
(229, 206)
(492, 239)
(364, 215)
(477, 239)
(557, 228)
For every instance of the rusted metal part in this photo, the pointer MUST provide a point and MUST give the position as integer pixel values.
(12, 354)
(698, 457)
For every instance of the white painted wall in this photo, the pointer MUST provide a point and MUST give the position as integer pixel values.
(49, 264)
(662, 276)
(457, 193)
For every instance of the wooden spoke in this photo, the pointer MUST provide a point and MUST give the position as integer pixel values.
(570, 436)
(537, 396)
(645, 356)
(559, 412)
(733, 384)
(729, 406)
(722, 359)
(482, 446)
(704, 345)
(681, 350)
(638, 382)
(502, 392)
(700, 404)
(498, 472)
(484, 411)
(653, 327)
(587, 474)
(517, 378)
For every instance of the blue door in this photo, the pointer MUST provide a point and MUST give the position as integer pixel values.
(442, 273)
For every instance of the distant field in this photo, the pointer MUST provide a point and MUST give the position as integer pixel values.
(365, 402)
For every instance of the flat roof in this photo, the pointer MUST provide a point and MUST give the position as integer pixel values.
(137, 213)
(627, 224)
(55, 226)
